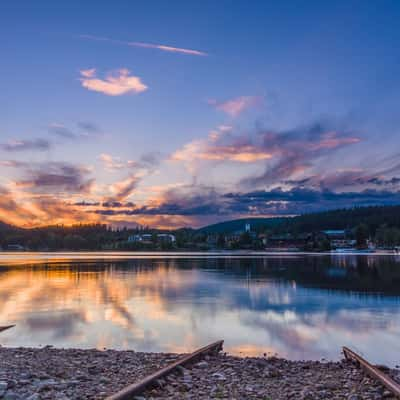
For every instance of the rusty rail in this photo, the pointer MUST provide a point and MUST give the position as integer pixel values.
(372, 371)
(136, 388)
(3, 328)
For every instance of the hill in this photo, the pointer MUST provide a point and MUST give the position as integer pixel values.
(239, 224)
(6, 227)
(373, 217)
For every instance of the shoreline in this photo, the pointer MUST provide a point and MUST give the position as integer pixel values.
(71, 374)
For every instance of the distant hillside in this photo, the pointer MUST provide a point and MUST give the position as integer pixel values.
(239, 224)
(373, 217)
(6, 227)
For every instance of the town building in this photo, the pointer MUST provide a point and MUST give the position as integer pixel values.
(339, 238)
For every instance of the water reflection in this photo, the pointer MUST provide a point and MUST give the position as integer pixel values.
(296, 306)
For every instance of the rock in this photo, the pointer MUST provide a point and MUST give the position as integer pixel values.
(3, 387)
(354, 397)
(73, 374)
(11, 396)
(202, 364)
(34, 396)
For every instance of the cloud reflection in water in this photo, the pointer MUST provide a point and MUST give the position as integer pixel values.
(294, 306)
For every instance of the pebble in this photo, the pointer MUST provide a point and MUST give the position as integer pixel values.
(73, 374)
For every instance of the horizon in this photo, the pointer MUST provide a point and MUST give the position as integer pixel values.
(125, 116)
(245, 219)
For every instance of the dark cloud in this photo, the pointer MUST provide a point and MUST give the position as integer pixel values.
(57, 176)
(344, 179)
(62, 131)
(88, 127)
(86, 204)
(149, 160)
(84, 129)
(264, 202)
(296, 150)
(117, 204)
(25, 145)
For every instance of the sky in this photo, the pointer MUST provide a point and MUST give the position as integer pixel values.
(184, 113)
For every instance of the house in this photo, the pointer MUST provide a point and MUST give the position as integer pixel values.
(166, 238)
(148, 238)
(339, 238)
(140, 238)
(235, 236)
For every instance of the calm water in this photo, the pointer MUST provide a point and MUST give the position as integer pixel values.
(298, 306)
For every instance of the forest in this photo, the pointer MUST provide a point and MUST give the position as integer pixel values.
(380, 224)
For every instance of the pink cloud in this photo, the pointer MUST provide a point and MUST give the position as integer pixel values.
(236, 106)
(117, 83)
(115, 163)
(219, 147)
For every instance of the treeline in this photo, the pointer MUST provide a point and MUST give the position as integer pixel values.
(381, 224)
(374, 218)
(60, 237)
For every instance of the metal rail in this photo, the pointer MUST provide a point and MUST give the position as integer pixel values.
(138, 387)
(372, 371)
(3, 328)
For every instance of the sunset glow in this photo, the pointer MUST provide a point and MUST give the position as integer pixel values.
(124, 116)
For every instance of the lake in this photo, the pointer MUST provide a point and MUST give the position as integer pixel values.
(299, 306)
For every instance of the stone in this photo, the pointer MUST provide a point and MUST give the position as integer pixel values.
(202, 364)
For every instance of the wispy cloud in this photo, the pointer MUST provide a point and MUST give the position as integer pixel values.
(115, 163)
(234, 107)
(83, 130)
(115, 83)
(24, 145)
(61, 130)
(147, 161)
(162, 47)
(123, 189)
(221, 146)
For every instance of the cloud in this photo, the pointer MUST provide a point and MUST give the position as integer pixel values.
(147, 162)
(10, 210)
(116, 83)
(115, 163)
(296, 200)
(286, 152)
(220, 145)
(162, 47)
(56, 176)
(84, 130)
(123, 189)
(345, 178)
(12, 163)
(88, 127)
(200, 202)
(234, 107)
(295, 151)
(62, 131)
(25, 145)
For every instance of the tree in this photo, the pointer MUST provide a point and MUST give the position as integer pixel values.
(362, 234)
(221, 241)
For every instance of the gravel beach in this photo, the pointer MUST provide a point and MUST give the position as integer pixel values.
(72, 374)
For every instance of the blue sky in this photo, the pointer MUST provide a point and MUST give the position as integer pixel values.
(180, 112)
